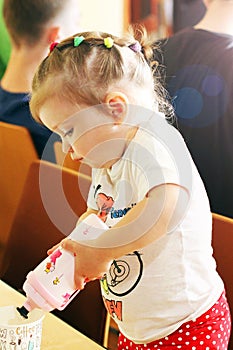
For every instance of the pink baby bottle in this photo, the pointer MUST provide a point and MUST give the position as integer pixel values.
(51, 284)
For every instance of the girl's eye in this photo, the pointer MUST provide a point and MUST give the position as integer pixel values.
(69, 132)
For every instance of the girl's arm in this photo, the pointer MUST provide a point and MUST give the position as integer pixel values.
(157, 214)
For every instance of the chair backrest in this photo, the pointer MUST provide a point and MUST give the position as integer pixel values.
(222, 242)
(52, 200)
(17, 152)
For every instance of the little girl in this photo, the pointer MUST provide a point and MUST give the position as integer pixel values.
(158, 277)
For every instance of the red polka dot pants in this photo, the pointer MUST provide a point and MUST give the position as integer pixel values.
(211, 331)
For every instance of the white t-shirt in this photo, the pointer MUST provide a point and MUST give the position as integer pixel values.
(150, 293)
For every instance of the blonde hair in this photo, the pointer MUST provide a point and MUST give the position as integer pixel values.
(84, 74)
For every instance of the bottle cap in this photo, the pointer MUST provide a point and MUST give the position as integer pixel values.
(23, 311)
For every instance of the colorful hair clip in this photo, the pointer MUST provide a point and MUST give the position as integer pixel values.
(136, 47)
(78, 40)
(108, 42)
(52, 46)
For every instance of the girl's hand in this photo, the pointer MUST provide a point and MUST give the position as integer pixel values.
(90, 263)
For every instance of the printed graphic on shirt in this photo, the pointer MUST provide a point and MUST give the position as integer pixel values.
(114, 308)
(104, 204)
(119, 213)
(124, 275)
(128, 270)
(122, 278)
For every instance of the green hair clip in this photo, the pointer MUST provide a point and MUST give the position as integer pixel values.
(78, 40)
(108, 42)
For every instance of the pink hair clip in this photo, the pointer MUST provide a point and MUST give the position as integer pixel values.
(52, 46)
(136, 47)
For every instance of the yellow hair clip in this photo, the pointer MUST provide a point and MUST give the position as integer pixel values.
(108, 42)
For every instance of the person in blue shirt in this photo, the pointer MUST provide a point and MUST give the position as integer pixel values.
(32, 26)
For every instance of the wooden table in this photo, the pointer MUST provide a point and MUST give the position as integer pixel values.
(56, 334)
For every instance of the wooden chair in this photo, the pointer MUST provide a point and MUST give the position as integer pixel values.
(65, 160)
(52, 200)
(222, 242)
(17, 152)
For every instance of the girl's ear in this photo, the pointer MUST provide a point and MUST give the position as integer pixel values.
(117, 104)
